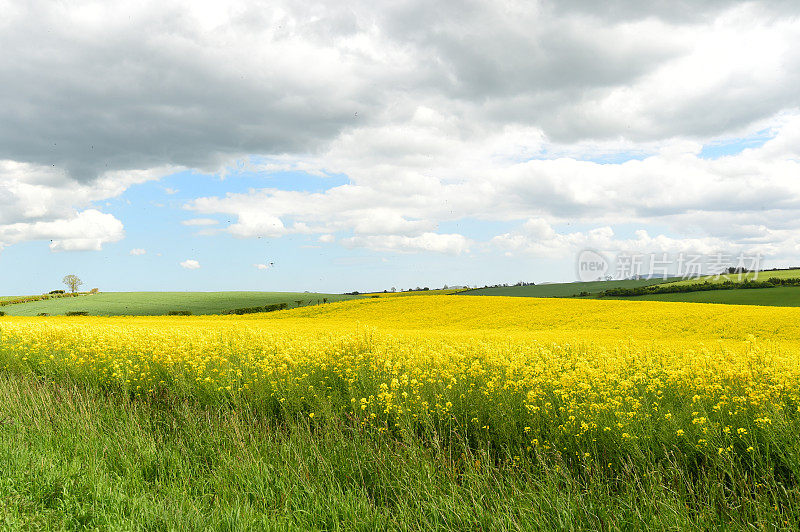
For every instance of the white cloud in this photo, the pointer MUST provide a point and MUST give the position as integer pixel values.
(83, 231)
(42, 203)
(200, 222)
(263, 266)
(327, 239)
(190, 264)
(257, 223)
(454, 244)
(672, 186)
(536, 237)
(138, 251)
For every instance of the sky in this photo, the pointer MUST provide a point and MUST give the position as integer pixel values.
(339, 146)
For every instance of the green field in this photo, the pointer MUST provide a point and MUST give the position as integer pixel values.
(159, 303)
(736, 278)
(561, 289)
(780, 296)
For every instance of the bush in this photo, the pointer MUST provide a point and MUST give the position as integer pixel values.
(76, 313)
(254, 310)
(55, 292)
(43, 314)
(2, 313)
(179, 313)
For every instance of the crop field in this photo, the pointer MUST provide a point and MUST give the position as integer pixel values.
(760, 276)
(160, 303)
(779, 296)
(562, 289)
(411, 413)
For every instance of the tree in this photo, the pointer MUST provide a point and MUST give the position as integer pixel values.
(73, 282)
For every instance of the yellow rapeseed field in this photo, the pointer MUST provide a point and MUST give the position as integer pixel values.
(580, 378)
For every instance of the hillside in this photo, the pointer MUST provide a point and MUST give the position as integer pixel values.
(762, 276)
(561, 289)
(780, 296)
(160, 303)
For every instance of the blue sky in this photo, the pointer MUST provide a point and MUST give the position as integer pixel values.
(152, 213)
(362, 147)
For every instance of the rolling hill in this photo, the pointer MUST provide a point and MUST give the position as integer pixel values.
(561, 289)
(780, 296)
(159, 303)
(762, 276)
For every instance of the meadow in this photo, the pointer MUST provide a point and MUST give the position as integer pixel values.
(408, 413)
(160, 303)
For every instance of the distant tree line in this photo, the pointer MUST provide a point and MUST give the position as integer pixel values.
(506, 285)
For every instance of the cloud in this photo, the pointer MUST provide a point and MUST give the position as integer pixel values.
(537, 238)
(177, 83)
(748, 199)
(180, 84)
(435, 113)
(190, 264)
(43, 203)
(263, 266)
(138, 251)
(200, 222)
(83, 231)
(453, 244)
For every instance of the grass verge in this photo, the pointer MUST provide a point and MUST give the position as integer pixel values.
(75, 457)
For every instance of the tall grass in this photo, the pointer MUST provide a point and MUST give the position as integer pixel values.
(74, 457)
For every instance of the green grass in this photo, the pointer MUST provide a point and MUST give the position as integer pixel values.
(158, 303)
(780, 296)
(73, 458)
(561, 289)
(762, 276)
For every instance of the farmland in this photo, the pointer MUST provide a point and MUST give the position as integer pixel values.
(780, 296)
(761, 276)
(783, 296)
(160, 303)
(562, 289)
(401, 412)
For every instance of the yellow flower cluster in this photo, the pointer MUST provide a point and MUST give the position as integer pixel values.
(580, 377)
